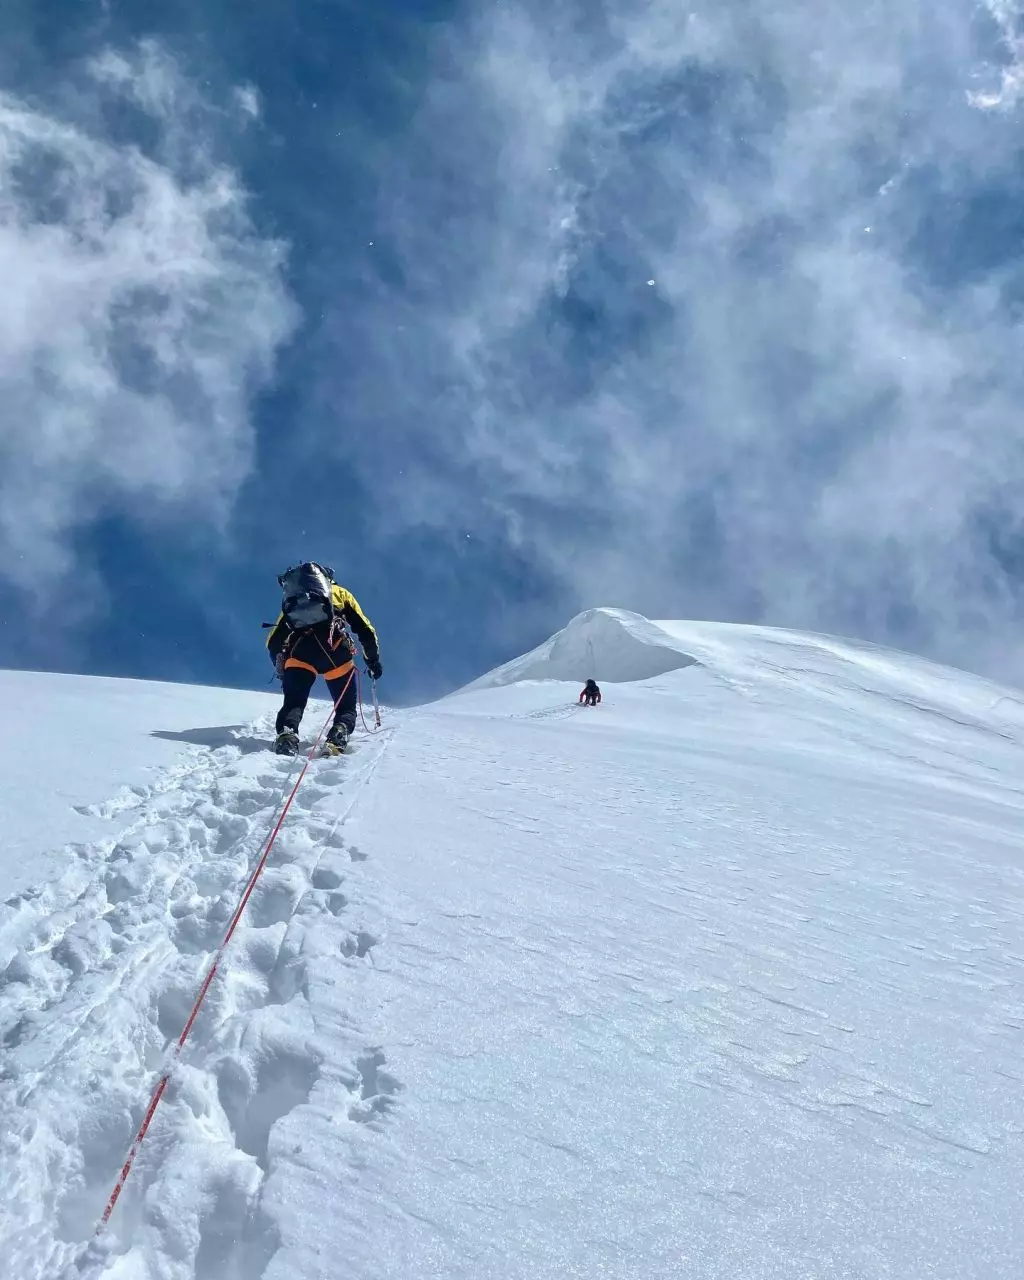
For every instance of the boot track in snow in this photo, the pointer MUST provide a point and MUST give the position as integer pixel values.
(98, 973)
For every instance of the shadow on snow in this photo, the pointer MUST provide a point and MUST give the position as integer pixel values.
(225, 735)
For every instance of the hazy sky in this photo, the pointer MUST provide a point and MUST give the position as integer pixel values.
(506, 310)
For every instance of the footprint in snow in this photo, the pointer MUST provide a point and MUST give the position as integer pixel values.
(263, 1083)
(326, 878)
(358, 945)
(377, 1088)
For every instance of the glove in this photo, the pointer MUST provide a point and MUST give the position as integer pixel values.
(279, 665)
(373, 668)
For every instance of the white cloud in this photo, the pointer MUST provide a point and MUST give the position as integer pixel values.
(247, 100)
(139, 313)
(1009, 19)
(820, 412)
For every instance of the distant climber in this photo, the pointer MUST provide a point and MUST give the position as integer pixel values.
(591, 694)
(311, 637)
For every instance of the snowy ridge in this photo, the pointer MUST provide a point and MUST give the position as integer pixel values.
(722, 978)
(600, 644)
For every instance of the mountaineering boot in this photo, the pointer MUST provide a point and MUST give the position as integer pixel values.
(287, 743)
(337, 741)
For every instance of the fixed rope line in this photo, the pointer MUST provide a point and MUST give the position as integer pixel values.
(211, 973)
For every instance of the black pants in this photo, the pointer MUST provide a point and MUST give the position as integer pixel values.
(296, 684)
(297, 681)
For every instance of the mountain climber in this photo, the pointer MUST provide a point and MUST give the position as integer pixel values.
(591, 694)
(311, 637)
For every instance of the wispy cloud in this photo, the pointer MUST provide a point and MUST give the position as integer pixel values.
(718, 303)
(139, 309)
(1008, 17)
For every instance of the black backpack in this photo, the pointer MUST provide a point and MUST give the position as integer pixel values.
(307, 595)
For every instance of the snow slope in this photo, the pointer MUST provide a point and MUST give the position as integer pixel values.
(721, 979)
(98, 737)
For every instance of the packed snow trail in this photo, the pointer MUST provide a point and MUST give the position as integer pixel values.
(229, 933)
(106, 964)
(721, 979)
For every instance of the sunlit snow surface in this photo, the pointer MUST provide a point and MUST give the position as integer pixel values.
(73, 747)
(721, 979)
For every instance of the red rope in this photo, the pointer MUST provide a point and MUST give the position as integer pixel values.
(211, 973)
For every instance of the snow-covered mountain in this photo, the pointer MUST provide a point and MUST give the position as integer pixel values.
(722, 979)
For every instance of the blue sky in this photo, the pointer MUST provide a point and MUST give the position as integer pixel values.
(507, 310)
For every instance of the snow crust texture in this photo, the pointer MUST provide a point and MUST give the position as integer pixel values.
(724, 979)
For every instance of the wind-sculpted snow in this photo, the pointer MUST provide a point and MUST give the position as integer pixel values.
(722, 978)
(601, 644)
